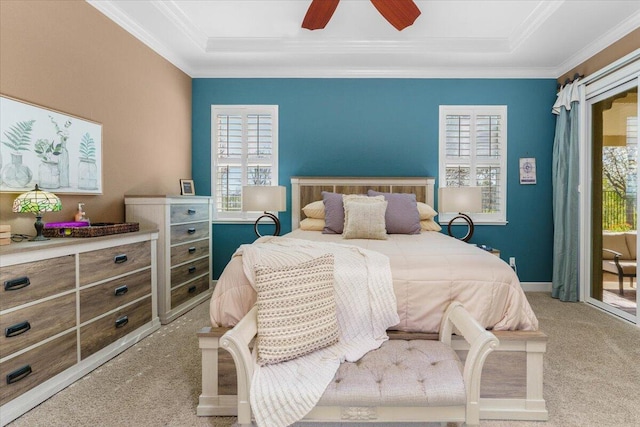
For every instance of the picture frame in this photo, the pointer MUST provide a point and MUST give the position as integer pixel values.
(528, 171)
(60, 152)
(187, 187)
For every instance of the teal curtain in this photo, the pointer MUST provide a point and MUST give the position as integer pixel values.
(565, 195)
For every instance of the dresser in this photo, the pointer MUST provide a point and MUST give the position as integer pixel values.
(68, 305)
(184, 248)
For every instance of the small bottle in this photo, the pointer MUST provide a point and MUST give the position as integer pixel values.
(80, 214)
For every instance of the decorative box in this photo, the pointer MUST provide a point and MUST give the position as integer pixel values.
(84, 229)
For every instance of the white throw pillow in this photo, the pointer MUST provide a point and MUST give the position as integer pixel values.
(296, 309)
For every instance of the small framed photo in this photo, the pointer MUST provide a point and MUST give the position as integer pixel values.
(187, 188)
(527, 170)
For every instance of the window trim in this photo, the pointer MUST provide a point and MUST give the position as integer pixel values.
(241, 217)
(474, 110)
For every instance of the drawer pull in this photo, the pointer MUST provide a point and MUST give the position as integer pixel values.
(120, 322)
(192, 270)
(17, 329)
(192, 250)
(15, 284)
(192, 289)
(121, 290)
(18, 374)
(191, 230)
(119, 259)
(191, 211)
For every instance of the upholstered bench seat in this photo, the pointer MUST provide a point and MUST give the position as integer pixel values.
(406, 373)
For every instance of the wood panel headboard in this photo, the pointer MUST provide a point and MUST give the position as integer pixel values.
(305, 190)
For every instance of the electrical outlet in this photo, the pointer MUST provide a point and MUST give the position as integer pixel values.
(512, 261)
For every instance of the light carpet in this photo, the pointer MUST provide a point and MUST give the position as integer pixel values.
(591, 376)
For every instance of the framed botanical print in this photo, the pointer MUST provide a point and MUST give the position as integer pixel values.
(57, 151)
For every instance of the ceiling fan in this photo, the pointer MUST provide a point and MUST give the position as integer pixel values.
(399, 13)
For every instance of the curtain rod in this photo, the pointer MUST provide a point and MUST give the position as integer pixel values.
(576, 76)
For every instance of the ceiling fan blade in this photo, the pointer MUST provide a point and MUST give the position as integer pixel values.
(319, 14)
(399, 13)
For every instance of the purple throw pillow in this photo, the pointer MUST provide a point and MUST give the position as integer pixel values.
(333, 213)
(402, 216)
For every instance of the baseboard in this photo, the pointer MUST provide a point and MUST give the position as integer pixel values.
(536, 286)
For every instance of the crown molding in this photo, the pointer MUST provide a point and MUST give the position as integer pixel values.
(630, 24)
(111, 11)
(534, 21)
(179, 20)
(413, 72)
(281, 45)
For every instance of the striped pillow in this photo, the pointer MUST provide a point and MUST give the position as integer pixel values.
(296, 309)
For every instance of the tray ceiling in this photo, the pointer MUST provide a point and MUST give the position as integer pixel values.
(264, 38)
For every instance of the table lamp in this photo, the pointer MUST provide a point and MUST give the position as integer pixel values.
(460, 200)
(264, 198)
(37, 201)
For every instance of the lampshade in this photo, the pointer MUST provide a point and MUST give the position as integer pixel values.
(264, 198)
(37, 201)
(459, 199)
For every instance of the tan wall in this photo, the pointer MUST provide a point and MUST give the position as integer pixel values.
(612, 53)
(67, 56)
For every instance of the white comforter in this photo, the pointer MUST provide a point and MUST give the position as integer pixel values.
(429, 271)
(284, 393)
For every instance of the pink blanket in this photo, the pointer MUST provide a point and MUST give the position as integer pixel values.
(429, 271)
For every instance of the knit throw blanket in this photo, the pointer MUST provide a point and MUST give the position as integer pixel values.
(284, 393)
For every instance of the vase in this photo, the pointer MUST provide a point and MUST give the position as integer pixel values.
(87, 174)
(15, 174)
(63, 166)
(49, 175)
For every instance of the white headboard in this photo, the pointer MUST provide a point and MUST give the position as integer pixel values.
(305, 190)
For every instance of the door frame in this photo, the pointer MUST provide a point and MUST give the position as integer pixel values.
(625, 71)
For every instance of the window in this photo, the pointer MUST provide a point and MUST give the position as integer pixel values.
(244, 152)
(473, 152)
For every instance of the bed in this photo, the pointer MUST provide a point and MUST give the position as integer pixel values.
(429, 271)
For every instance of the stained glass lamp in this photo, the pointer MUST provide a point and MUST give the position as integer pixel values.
(37, 201)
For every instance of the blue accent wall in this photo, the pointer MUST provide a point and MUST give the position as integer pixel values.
(389, 127)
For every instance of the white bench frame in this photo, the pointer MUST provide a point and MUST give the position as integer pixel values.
(481, 342)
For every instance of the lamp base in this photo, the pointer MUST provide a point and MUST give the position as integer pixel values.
(39, 225)
(469, 222)
(275, 219)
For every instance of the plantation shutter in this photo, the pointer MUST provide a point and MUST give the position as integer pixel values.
(245, 154)
(473, 153)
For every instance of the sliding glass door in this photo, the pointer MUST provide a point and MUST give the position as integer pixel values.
(612, 125)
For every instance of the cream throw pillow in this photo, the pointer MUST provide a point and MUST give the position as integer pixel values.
(314, 210)
(296, 309)
(312, 224)
(364, 217)
(426, 211)
(429, 225)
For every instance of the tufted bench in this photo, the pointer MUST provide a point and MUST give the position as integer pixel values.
(402, 381)
(408, 373)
